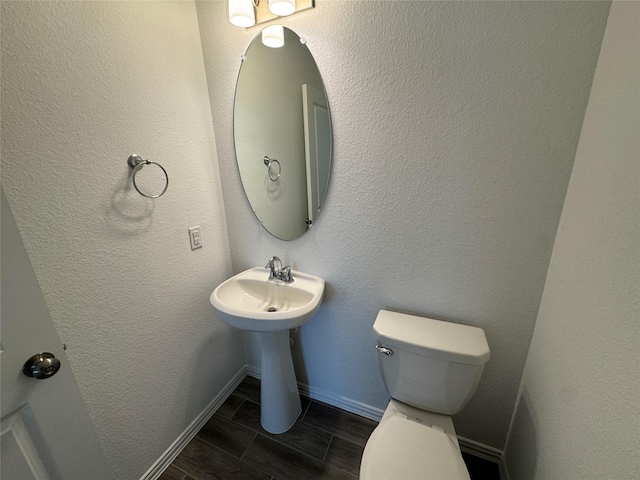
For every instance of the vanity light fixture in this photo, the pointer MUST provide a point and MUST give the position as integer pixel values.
(273, 36)
(247, 13)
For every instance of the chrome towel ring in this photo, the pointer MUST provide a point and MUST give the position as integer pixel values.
(136, 162)
(269, 162)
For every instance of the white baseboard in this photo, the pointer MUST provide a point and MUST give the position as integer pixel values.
(344, 403)
(185, 437)
(253, 371)
(330, 398)
(485, 451)
(504, 471)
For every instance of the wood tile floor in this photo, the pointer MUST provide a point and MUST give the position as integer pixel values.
(325, 443)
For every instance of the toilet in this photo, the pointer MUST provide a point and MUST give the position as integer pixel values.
(431, 370)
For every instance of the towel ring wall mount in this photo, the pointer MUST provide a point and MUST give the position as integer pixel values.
(269, 162)
(136, 163)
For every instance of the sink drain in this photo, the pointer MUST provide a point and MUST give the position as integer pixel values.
(272, 309)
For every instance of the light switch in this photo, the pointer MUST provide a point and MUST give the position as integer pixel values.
(194, 237)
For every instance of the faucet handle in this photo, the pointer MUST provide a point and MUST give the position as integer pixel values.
(285, 274)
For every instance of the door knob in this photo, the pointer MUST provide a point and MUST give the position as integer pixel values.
(41, 366)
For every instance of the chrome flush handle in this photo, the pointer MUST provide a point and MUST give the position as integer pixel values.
(385, 350)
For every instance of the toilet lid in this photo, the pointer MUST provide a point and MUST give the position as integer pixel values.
(401, 448)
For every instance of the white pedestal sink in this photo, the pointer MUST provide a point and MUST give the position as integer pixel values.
(250, 301)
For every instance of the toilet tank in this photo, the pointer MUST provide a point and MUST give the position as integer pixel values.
(430, 364)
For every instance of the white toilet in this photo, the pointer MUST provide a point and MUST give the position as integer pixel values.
(431, 370)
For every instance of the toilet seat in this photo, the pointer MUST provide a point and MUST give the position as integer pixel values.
(401, 448)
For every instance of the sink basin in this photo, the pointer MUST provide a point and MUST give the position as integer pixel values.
(269, 309)
(250, 301)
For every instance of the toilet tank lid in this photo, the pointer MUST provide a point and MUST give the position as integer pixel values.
(433, 338)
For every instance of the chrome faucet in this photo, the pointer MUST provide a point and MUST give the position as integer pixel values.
(275, 266)
(277, 272)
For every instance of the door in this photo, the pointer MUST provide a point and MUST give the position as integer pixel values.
(45, 427)
(317, 147)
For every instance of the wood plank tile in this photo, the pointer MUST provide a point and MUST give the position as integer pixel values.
(285, 463)
(305, 402)
(249, 389)
(203, 461)
(345, 455)
(301, 436)
(226, 435)
(172, 473)
(348, 426)
(230, 406)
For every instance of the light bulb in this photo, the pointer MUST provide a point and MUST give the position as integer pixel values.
(282, 8)
(273, 36)
(241, 13)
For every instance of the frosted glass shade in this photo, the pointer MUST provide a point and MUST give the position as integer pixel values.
(282, 8)
(273, 36)
(241, 13)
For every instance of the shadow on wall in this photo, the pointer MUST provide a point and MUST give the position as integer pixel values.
(128, 213)
(523, 441)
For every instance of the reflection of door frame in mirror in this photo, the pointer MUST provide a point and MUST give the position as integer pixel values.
(317, 126)
(269, 120)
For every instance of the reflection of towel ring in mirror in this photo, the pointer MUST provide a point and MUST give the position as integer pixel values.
(136, 162)
(268, 162)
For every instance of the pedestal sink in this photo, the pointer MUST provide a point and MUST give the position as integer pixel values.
(251, 301)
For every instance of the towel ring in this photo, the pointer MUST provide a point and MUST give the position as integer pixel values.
(268, 162)
(136, 162)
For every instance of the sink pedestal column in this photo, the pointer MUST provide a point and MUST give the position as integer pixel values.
(279, 397)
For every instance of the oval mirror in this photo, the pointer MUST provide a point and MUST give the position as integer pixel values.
(282, 133)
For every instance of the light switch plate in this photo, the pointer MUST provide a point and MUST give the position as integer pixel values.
(194, 237)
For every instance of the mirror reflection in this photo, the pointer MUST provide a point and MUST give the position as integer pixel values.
(282, 133)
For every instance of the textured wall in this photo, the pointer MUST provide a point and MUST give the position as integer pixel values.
(84, 85)
(455, 128)
(577, 414)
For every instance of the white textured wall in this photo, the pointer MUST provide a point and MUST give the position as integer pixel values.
(578, 411)
(455, 127)
(83, 86)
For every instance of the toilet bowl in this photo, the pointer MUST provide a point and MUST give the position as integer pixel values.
(431, 369)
